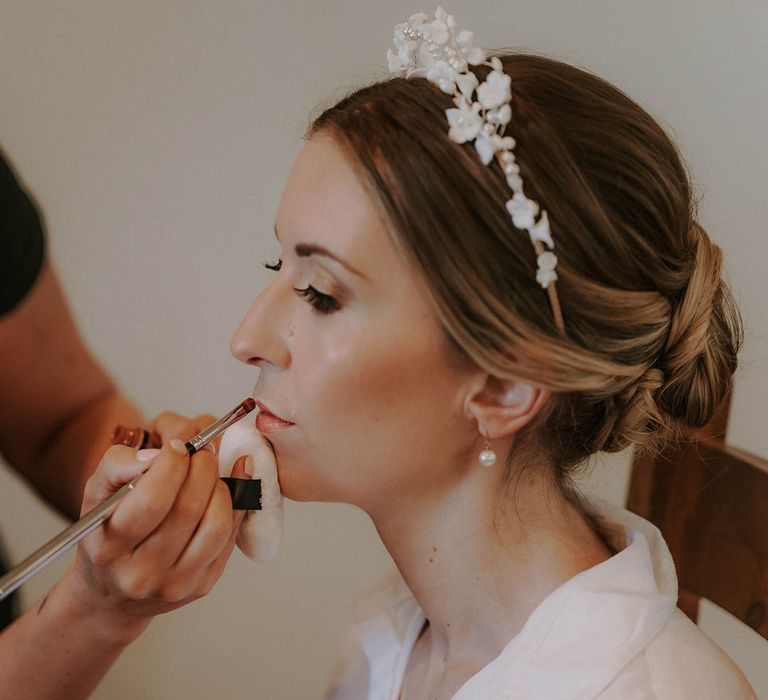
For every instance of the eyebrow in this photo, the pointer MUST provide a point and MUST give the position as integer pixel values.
(304, 250)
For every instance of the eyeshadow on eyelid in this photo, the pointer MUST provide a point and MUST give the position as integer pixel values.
(305, 250)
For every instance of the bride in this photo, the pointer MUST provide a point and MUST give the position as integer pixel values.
(491, 270)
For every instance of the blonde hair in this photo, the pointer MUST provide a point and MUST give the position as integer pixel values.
(652, 330)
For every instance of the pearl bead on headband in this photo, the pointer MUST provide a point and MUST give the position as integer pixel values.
(435, 50)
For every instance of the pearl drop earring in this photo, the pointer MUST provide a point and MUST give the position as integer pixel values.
(487, 456)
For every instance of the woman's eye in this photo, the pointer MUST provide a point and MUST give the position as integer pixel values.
(274, 266)
(322, 303)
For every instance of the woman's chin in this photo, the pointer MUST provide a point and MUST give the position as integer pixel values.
(297, 483)
(303, 484)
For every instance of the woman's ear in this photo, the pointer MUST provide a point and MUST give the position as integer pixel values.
(502, 407)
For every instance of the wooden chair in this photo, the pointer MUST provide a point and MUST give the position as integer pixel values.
(710, 502)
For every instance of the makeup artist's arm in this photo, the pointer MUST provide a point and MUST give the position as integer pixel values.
(166, 545)
(59, 405)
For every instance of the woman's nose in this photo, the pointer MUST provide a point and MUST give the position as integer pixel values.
(260, 337)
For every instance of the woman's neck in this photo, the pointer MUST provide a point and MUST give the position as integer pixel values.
(478, 578)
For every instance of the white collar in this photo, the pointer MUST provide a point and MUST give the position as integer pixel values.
(575, 641)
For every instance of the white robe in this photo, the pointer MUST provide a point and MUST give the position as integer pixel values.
(611, 632)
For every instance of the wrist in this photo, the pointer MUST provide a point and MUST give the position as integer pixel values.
(109, 623)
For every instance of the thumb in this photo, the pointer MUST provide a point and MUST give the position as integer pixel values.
(241, 469)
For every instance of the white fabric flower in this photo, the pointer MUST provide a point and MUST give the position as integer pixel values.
(522, 210)
(504, 114)
(438, 32)
(541, 232)
(458, 62)
(465, 38)
(545, 277)
(495, 91)
(406, 48)
(424, 61)
(447, 86)
(487, 145)
(475, 56)
(418, 21)
(444, 75)
(545, 274)
(467, 83)
(395, 64)
(547, 260)
(465, 122)
(425, 58)
(515, 182)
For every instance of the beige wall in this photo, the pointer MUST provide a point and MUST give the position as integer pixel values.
(158, 135)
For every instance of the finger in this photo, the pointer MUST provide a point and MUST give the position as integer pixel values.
(240, 471)
(214, 534)
(261, 530)
(171, 425)
(118, 466)
(165, 544)
(214, 570)
(237, 518)
(150, 501)
(203, 421)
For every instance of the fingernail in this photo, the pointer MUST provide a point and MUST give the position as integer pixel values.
(178, 446)
(146, 455)
(248, 466)
(210, 447)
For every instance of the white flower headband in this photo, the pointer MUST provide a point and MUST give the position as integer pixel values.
(436, 51)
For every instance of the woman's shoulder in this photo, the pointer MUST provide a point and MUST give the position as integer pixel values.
(680, 663)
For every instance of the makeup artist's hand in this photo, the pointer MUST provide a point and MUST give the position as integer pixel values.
(173, 425)
(168, 541)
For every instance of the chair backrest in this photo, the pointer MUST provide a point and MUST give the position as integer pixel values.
(710, 501)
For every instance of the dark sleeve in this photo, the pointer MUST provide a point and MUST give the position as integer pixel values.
(22, 240)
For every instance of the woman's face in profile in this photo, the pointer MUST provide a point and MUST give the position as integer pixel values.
(355, 359)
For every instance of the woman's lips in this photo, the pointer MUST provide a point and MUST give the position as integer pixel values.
(267, 422)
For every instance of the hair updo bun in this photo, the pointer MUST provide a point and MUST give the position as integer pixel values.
(694, 370)
(705, 336)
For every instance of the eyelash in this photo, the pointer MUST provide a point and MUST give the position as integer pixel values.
(321, 303)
